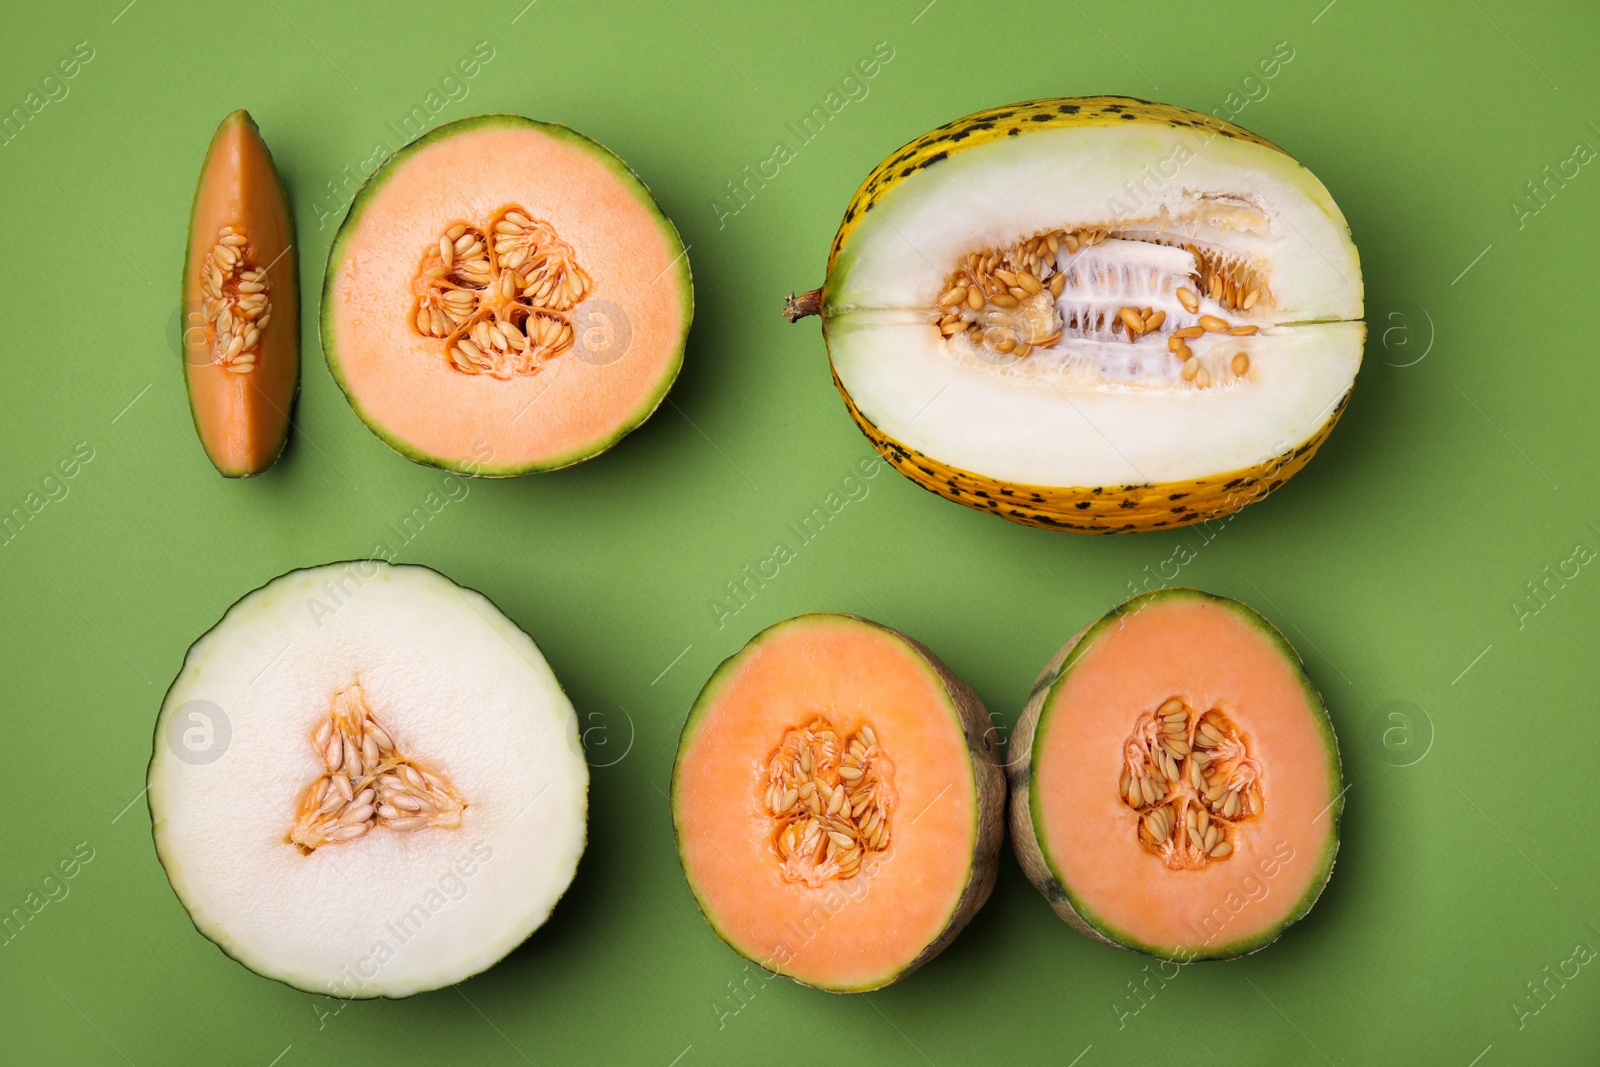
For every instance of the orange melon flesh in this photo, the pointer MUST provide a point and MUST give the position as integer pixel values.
(398, 380)
(1211, 653)
(848, 934)
(243, 419)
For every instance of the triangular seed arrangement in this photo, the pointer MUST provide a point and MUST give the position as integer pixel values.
(369, 783)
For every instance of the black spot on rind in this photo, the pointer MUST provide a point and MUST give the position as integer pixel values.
(1177, 496)
(1179, 510)
(933, 159)
(1068, 109)
(1128, 117)
(1038, 118)
(974, 127)
(1080, 505)
(1113, 108)
(1127, 502)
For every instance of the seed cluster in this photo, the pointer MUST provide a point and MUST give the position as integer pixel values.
(997, 300)
(497, 294)
(830, 801)
(1228, 281)
(235, 301)
(1193, 782)
(1009, 279)
(368, 782)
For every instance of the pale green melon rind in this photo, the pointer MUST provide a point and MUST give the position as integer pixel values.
(712, 691)
(1049, 684)
(629, 179)
(161, 720)
(186, 298)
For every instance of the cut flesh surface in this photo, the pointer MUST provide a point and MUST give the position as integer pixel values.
(837, 809)
(1176, 782)
(366, 782)
(241, 304)
(1122, 294)
(505, 296)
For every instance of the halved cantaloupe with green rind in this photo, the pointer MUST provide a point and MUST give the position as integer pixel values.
(838, 803)
(241, 304)
(1094, 314)
(1175, 780)
(504, 296)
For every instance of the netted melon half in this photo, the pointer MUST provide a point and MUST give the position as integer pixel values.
(1094, 314)
(505, 296)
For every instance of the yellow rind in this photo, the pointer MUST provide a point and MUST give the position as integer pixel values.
(1100, 509)
(1012, 120)
(1097, 509)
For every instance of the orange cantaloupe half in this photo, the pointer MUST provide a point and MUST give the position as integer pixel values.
(400, 382)
(1078, 841)
(242, 419)
(865, 931)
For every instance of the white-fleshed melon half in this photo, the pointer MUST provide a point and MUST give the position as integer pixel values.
(367, 782)
(1096, 314)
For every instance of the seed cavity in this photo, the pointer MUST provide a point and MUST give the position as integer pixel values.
(497, 294)
(1080, 293)
(1190, 777)
(368, 782)
(235, 302)
(831, 799)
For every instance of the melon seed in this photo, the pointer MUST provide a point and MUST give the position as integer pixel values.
(481, 293)
(1199, 787)
(234, 301)
(361, 789)
(833, 820)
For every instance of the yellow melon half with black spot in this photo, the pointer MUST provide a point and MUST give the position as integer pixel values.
(1094, 314)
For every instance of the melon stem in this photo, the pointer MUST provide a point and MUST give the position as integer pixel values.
(796, 308)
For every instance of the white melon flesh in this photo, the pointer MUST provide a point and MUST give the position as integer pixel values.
(460, 689)
(1094, 408)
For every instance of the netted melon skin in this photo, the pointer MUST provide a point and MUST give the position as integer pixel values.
(978, 729)
(992, 789)
(1029, 849)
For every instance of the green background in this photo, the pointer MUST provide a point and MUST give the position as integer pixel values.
(1464, 467)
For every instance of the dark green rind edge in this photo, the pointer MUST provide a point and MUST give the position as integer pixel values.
(183, 296)
(618, 167)
(155, 747)
(708, 694)
(1049, 686)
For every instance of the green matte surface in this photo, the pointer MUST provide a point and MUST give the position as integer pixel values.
(1399, 563)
